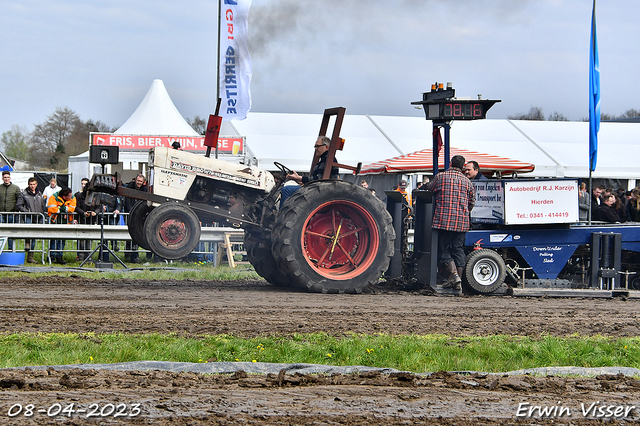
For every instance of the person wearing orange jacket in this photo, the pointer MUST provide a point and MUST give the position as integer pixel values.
(58, 204)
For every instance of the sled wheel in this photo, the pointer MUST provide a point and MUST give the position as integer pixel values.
(333, 237)
(485, 271)
(135, 224)
(172, 231)
(257, 243)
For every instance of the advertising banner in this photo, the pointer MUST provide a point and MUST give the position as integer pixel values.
(489, 206)
(232, 145)
(541, 202)
(235, 62)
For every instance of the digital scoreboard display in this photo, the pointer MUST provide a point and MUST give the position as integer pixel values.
(458, 110)
(441, 105)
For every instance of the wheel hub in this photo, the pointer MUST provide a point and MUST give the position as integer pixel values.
(486, 272)
(339, 239)
(172, 232)
(331, 247)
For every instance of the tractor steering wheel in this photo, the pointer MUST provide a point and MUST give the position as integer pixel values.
(284, 169)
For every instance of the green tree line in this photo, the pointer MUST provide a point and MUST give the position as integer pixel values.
(63, 134)
(50, 143)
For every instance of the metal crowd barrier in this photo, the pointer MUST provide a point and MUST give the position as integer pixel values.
(16, 219)
(13, 226)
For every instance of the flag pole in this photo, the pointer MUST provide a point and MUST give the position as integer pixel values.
(218, 51)
(589, 196)
(594, 102)
(217, 75)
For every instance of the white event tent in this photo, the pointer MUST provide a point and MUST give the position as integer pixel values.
(558, 149)
(155, 116)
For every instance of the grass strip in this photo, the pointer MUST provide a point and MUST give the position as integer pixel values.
(411, 353)
(160, 271)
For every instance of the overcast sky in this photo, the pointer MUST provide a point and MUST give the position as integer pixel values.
(375, 57)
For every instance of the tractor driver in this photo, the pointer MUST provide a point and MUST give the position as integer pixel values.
(322, 148)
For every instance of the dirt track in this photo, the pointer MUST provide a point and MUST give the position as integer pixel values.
(252, 308)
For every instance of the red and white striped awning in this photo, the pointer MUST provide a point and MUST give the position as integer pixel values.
(422, 161)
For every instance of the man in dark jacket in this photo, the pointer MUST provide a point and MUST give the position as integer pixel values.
(472, 171)
(596, 201)
(606, 212)
(322, 149)
(30, 200)
(8, 199)
(131, 248)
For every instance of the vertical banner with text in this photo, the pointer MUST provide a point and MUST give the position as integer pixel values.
(235, 62)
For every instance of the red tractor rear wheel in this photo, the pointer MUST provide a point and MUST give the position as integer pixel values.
(333, 237)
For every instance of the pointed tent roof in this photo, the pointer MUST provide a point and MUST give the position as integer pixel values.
(156, 115)
(422, 161)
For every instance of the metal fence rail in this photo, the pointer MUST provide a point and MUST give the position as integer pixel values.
(92, 232)
(117, 235)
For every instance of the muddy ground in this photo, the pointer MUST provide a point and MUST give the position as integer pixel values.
(252, 308)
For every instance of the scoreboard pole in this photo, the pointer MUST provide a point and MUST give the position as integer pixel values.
(441, 107)
(446, 145)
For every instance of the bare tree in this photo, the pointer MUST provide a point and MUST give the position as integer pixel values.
(78, 141)
(534, 114)
(99, 127)
(48, 142)
(630, 113)
(198, 124)
(14, 143)
(556, 116)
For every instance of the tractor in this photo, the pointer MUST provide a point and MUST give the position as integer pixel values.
(330, 236)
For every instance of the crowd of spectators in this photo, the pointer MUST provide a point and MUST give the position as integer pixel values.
(608, 205)
(58, 205)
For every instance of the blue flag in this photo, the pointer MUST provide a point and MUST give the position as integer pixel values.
(594, 94)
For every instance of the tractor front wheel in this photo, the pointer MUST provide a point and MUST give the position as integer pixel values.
(172, 231)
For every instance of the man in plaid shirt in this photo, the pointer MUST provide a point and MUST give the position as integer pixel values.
(454, 197)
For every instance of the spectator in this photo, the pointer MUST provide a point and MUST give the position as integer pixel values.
(8, 198)
(472, 171)
(423, 183)
(51, 189)
(58, 204)
(633, 206)
(621, 206)
(606, 211)
(402, 188)
(364, 184)
(596, 193)
(583, 203)
(30, 200)
(454, 198)
(131, 248)
(322, 149)
(84, 217)
(373, 191)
